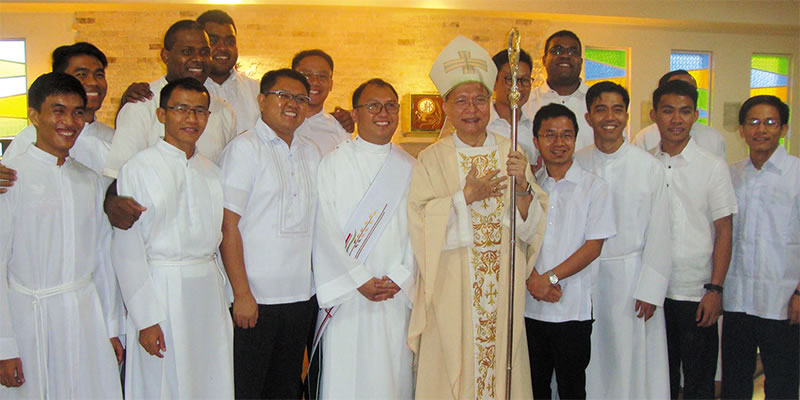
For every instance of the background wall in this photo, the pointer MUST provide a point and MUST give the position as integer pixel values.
(399, 44)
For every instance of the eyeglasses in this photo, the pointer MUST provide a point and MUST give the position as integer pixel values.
(284, 96)
(558, 50)
(376, 108)
(769, 122)
(551, 137)
(478, 101)
(320, 76)
(524, 81)
(184, 110)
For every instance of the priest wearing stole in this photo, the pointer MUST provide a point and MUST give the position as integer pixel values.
(459, 218)
(363, 263)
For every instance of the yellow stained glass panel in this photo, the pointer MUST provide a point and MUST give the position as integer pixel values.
(780, 92)
(14, 106)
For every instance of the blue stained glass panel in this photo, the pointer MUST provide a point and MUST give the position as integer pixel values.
(762, 79)
(702, 113)
(689, 61)
(596, 70)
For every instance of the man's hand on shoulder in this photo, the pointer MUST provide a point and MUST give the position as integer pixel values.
(345, 119)
(136, 92)
(7, 178)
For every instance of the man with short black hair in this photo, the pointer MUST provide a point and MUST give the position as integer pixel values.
(562, 62)
(500, 117)
(224, 81)
(325, 130)
(702, 202)
(706, 137)
(558, 307)
(269, 182)
(635, 264)
(87, 63)
(762, 297)
(59, 301)
(186, 54)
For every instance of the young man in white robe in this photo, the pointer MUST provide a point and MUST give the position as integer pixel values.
(59, 300)
(186, 53)
(635, 264)
(269, 181)
(365, 278)
(459, 214)
(762, 297)
(180, 335)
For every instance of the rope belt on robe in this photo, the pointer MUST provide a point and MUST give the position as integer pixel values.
(39, 322)
(193, 261)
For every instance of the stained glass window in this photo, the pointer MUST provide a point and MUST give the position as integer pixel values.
(13, 87)
(769, 74)
(698, 64)
(606, 65)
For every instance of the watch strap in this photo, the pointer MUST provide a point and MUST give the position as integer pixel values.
(713, 288)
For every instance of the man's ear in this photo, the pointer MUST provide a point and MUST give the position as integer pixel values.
(33, 115)
(161, 114)
(164, 55)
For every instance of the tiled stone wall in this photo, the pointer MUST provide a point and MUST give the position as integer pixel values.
(395, 44)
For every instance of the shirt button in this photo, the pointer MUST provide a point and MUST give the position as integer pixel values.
(669, 166)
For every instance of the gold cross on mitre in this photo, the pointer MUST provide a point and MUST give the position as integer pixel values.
(465, 62)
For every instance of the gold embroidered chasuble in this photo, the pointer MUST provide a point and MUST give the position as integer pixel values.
(458, 323)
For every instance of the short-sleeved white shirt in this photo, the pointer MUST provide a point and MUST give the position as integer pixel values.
(240, 92)
(323, 130)
(765, 265)
(524, 132)
(706, 137)
(576, 102)
(700, 192)
(581, 209)
(272, 186)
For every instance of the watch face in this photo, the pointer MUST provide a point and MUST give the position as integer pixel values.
(553, 278)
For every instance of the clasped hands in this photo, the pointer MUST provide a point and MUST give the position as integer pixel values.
(540, 288)
(491, 185)
(379, 289)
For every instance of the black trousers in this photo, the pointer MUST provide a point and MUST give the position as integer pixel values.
(693, 348)
(561, 346)
(779, 342)
(268, 358)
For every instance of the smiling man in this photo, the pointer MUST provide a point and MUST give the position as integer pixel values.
(635, 264)
(458, 215)
(324, 129)
(180, 339)
(500, 117)
(702, 202)
(58, 294)
(762, 301)
(269, 182)
(369, 280)
(87, 63)
(558, 308)
(186, 54)
(239, 91)
(563, 62)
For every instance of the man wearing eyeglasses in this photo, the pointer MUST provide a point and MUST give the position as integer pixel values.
(563, 62)
(702, 203)
(180, 336)
(762, 297)
(269, 183)
(365, 278)
(326, 130)
(558, 309)
(500, 112)
(459, 213)
(186, 55)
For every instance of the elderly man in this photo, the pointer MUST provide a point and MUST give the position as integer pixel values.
(459, 214)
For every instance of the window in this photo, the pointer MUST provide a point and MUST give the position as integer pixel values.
(769, 74)
(698, 64)
(13, 88)
(606, 65)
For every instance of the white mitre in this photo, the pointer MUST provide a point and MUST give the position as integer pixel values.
(460, 62)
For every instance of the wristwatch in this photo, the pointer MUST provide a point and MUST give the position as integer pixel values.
(527, 191)
(713, 288)
(553, 278)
